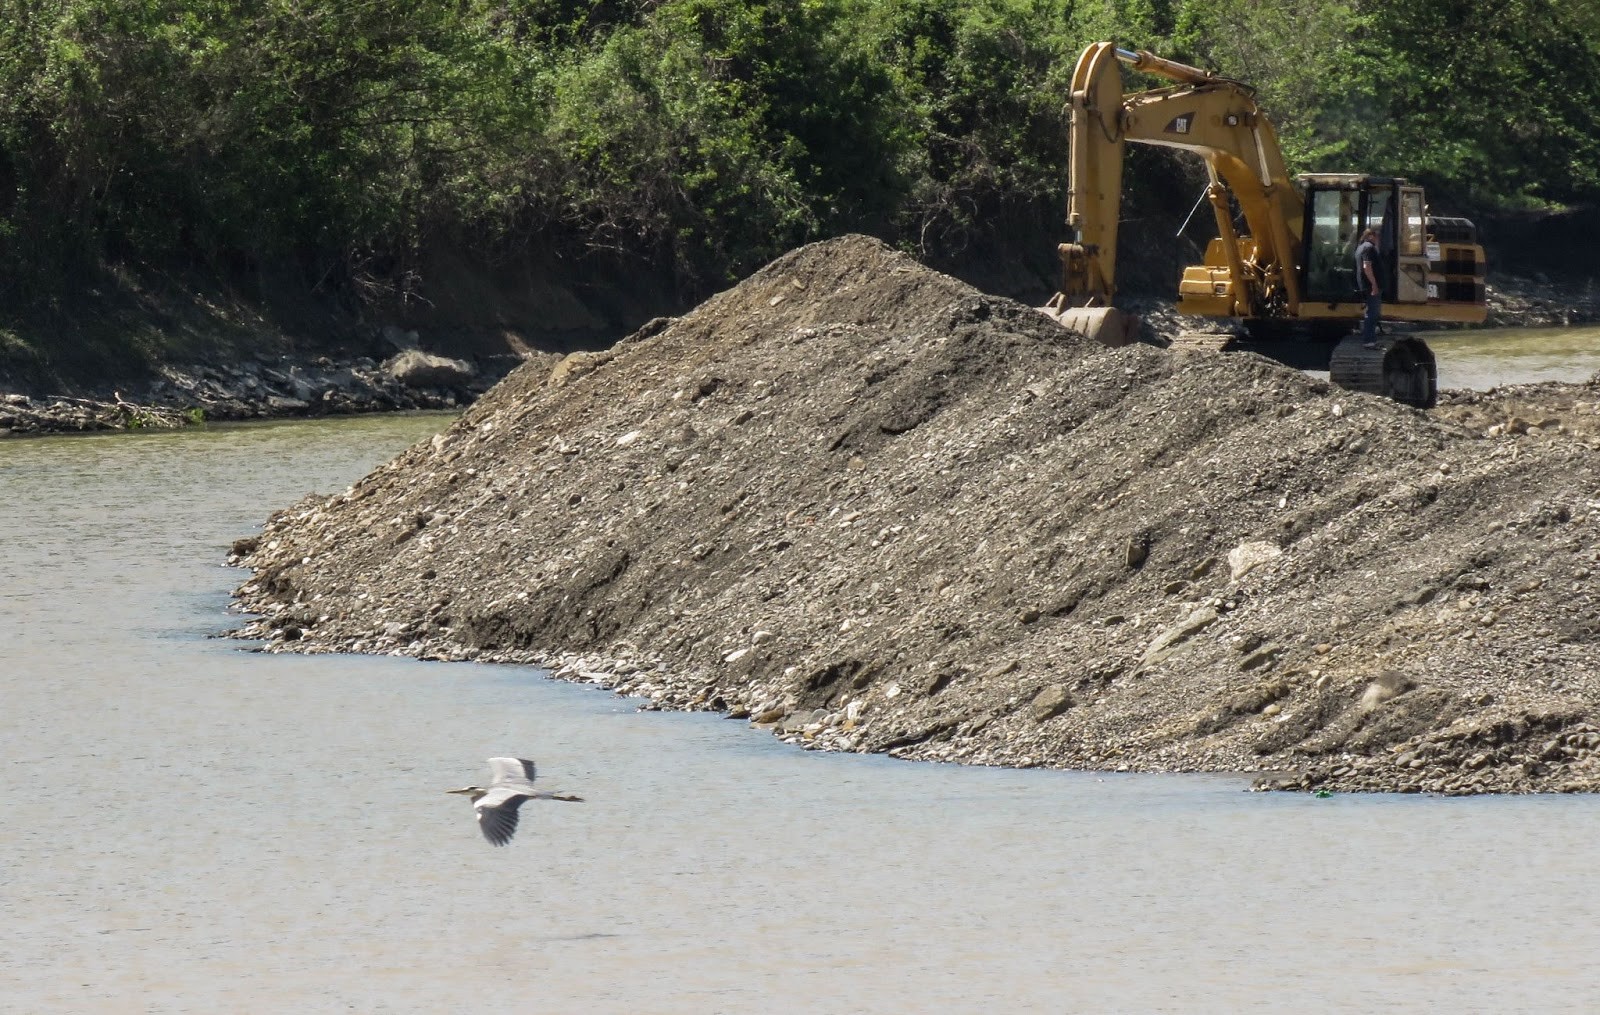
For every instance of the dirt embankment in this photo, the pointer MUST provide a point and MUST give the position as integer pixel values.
(162, 348)
(873, 509)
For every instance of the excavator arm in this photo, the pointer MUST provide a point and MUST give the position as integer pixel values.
(1216, 118)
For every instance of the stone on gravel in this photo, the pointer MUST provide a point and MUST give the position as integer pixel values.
(1246, 557)
(1051, 702)
(417, 369)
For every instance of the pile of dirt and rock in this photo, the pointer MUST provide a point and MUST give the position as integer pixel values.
(872, 509)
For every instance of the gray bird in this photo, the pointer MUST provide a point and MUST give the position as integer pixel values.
(497, 805)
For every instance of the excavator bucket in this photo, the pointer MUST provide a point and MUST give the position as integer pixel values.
(1106, 325)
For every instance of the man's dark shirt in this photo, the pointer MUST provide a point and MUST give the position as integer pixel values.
(1366, 253)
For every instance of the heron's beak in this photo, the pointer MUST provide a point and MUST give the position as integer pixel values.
(458, 791)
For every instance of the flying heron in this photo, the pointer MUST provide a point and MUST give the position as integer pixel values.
(497, 805)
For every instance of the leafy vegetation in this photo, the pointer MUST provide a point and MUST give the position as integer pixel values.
(699, 137)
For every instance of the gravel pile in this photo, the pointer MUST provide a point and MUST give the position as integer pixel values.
(872, 509)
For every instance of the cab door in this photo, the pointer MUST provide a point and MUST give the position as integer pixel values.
(1411, 262)
(1333, 224)
(1378, 211)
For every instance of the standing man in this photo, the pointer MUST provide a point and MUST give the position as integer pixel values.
(1367, 283)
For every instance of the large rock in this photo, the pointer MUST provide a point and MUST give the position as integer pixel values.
(1246, 557)
(417, 369)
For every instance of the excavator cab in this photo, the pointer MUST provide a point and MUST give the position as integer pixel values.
(1338, 209)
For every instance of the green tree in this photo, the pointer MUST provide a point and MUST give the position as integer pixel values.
(1500, 103)
(1293, 52)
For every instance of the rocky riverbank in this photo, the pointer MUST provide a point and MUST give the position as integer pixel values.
(1541, 303)
(259, 389)
(871, 509)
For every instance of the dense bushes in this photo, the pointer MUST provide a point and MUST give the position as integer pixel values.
(702, 135)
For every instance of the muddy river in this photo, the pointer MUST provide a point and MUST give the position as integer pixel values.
(192, 827)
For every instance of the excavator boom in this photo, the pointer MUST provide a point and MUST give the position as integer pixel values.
(1214, 117)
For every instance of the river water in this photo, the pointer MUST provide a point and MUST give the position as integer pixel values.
(188, 826)
(1483, 358)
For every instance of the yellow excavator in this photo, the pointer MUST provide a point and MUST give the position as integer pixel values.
(1281, 267)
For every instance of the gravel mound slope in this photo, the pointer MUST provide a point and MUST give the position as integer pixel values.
(873, 509)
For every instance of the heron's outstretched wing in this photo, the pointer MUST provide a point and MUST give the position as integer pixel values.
(497, 815)
(512, 771)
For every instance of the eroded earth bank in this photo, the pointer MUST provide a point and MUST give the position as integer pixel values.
(873, 509)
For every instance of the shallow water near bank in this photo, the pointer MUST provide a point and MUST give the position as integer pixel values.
(1485, 358)
(1480, 360)
(193, 827)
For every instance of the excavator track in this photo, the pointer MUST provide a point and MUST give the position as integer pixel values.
(1397, 366)
(1209, 341)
